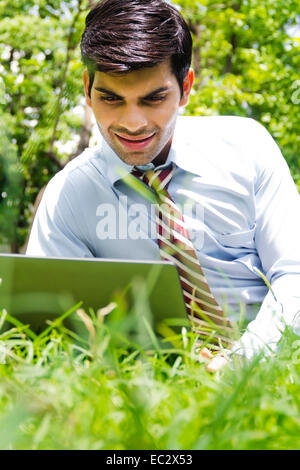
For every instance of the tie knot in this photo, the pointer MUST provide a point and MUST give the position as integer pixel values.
(157, 180)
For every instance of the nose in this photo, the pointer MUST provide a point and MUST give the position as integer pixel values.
(133, 119)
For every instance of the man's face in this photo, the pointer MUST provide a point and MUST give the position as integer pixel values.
(136, 112)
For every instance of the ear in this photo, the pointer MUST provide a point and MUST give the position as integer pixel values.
(86, 82)
(187, 86)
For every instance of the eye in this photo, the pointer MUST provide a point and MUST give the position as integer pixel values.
(109, 99)
(156, 98)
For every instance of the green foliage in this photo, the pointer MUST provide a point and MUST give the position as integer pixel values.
(11, 182)
(41, 83)
(120, 389)
(246, 62)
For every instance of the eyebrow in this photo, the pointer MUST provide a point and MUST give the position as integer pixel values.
(150, 95)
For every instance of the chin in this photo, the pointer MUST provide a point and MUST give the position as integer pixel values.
(138, 160)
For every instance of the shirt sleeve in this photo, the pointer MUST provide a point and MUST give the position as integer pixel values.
(277, 239)
(55, 231)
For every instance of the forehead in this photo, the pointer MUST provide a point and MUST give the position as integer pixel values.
(139, 82)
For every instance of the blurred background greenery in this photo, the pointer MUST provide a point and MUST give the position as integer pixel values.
(246, 59)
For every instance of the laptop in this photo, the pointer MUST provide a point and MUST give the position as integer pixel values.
(37, 289)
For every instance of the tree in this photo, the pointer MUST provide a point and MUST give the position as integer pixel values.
(41, 80)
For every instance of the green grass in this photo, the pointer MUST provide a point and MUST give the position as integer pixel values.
(119, 388)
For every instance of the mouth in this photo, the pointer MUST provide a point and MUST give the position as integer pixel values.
(134, 143)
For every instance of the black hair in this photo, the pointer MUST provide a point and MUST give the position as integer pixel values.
(121, 36)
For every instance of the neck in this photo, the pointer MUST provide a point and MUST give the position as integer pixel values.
(163, 155)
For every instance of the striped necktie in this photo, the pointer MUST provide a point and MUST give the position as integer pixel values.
(206, 315)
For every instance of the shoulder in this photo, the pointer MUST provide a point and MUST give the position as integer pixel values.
(225, 142)
(90, 158)
(221, 127)
(87, 168)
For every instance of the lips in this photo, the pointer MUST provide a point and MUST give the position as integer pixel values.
(134, 143)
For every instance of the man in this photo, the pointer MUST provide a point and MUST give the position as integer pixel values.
(239, 203)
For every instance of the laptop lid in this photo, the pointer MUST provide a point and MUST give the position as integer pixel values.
(36, 289)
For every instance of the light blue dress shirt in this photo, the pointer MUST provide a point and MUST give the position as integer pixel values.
(240, 204)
